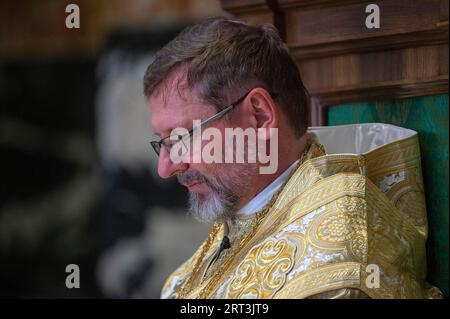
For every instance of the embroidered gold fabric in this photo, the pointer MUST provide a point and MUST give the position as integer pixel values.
(335, 217)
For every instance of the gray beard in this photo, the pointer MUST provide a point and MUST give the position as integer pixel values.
(223, 202)
(214, 208)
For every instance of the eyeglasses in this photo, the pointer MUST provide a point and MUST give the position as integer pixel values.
(169, 141)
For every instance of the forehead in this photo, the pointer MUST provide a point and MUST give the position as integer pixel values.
(173, 104)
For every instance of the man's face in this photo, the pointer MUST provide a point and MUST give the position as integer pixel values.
(215, 189)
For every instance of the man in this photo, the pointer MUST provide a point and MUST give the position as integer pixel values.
(319, 225)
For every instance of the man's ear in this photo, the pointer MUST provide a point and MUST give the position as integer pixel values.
(263, 109)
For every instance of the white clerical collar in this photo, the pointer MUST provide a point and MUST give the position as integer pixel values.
(259, 201)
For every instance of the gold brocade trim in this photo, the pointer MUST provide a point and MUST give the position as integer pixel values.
(401, 161)
(315, 170)
(208, 286)
(351, 185)
(264, 270)
(331, 277)
(346, 274)
(238, 227)
(351, 216)
(393, 154)
(320, 194)
(396, 246)
(408, 287)
(188, 285)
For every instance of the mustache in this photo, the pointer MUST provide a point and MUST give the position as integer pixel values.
(190, 177)
(216, 184)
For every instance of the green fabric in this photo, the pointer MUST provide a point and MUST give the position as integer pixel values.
(428, 115)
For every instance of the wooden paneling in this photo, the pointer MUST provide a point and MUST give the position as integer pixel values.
(346, 24)
(342, 61)
(252, 11)
(328, 76)
(255, 12)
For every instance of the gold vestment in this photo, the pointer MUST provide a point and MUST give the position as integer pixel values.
(347, 225)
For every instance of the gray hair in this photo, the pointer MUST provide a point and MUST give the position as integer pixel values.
(222, 56)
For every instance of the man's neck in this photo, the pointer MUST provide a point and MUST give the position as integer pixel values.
(260, 201)
(285, 160)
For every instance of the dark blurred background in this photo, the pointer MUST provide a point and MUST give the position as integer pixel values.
(79, 184)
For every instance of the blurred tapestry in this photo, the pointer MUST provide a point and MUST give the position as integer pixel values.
(49, 181)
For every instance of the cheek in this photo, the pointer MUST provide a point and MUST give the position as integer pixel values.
(215, 173)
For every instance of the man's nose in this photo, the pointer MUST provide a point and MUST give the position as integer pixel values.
(167, 168)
